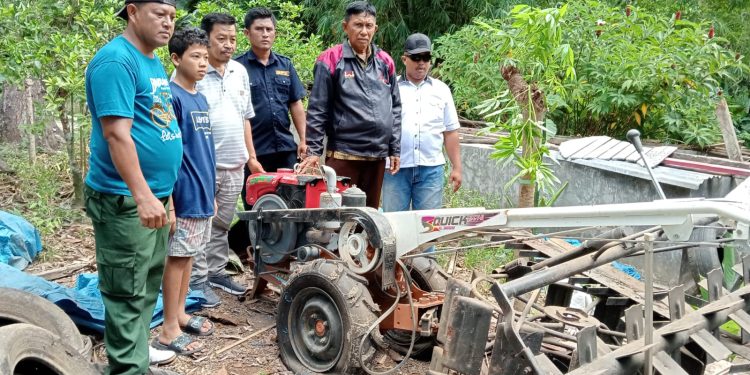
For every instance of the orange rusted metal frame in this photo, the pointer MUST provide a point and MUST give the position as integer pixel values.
(401, 318)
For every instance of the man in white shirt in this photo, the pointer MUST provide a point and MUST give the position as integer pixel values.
(227, 90)
(429, 122)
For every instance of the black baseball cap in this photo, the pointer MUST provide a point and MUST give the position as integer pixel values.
(417, 43)
(123, 13)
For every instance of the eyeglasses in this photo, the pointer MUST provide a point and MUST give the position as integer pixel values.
(421, 57)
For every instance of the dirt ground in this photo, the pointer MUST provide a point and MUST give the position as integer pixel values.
(234, 321)
(71, 248)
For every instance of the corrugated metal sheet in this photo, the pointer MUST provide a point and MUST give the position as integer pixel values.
(621, 157)
(670, 176)
(606, 148)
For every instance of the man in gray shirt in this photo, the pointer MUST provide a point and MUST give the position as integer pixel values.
(227, 89)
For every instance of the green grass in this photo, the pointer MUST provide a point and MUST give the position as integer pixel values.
(44, 193)
(487, 259)
(468, 198)
(482, 259)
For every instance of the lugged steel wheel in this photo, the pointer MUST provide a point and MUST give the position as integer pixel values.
(430, 277)
(324, 312)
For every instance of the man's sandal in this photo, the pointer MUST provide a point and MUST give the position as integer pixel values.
(179, 345)
(194, 326)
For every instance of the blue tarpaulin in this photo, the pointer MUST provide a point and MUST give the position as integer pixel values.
(84, 302)
(626, 268)
(19, 241)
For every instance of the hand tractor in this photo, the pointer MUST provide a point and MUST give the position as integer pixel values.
(353, 280)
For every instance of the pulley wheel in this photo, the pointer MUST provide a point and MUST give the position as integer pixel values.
(355, 248)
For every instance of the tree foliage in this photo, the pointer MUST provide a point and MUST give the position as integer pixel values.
(729, 17)
(52, 41)
(400, 18)
(633, 69)
(536, 63)
(291, 40)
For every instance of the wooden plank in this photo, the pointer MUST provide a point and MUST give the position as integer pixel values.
(635, 156)
(625, 153)
(728, 131)
(603, 149)
(657, 154)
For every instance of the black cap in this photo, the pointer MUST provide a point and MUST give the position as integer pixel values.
(417, 43)
(123, 13)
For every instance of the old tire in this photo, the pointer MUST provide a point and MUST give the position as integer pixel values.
(430, 277)
(324, 312)
(703, 260)
(428, 274)
(28, 349)
(18, 306)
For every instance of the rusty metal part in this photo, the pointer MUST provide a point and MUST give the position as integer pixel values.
(464, 349)
(401, 316)
(527, 309)
(598, 269)
(571, 316)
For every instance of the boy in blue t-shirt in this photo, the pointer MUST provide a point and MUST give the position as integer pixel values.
(193, 195)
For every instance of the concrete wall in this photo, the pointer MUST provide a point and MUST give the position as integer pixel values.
(586, 185)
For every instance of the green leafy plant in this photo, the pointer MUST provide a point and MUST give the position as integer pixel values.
(291, 40)
(529, 51)
(400, 18)
(52, 41)
(41, 198)
(633, 69)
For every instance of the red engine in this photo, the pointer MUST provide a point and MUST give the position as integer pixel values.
(296, 190)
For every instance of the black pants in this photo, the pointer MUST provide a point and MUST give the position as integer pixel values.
(367, 175)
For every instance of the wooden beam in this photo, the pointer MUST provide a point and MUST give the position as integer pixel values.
(705, 167)
(727, 130)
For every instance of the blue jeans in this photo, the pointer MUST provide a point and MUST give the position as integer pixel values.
(418, 188)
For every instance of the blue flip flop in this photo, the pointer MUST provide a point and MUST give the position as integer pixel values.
(178, 345)
(194, 326)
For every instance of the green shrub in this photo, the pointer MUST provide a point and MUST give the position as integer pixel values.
(640, 70)
(290, 39)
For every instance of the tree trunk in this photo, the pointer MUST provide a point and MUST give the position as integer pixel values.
(11, 114)
(728, 132)
(30, 116)
(14, 115)
(531, 101)
(70, 146)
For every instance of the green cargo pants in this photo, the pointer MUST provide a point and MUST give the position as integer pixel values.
(130, 260)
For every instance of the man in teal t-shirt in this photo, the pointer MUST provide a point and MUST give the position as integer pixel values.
(136, 151)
